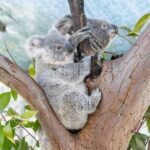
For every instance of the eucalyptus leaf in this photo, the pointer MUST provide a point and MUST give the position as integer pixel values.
(27, 107)
(8, 133)
(7, 145)
(138, 141)
(31, 70)
(14, 94)
(23, 145)
(1, 137)
(28, 114)
(126, 28)
(36, 126)
(132, 34)
(147, 113)
(4, 100)
(141, 22)
(15, 122)
(148, 124)
(11, 112)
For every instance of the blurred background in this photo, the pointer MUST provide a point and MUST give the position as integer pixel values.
(24, 18)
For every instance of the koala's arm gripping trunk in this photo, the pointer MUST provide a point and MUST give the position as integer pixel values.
(79, 21)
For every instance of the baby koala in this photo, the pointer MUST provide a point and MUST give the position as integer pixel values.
(61, 78)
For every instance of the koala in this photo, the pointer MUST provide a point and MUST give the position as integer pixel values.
(102, 32)
(61, 78)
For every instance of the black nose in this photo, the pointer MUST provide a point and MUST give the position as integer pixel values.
(116, 28)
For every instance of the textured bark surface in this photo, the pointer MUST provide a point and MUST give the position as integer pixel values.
(79, 21)
(125, 85)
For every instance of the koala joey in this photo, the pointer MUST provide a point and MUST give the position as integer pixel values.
(102, 32)
(61, 78)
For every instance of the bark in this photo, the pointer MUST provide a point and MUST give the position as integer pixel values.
(79, 21)
(125, 84)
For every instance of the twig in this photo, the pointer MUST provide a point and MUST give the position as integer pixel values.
(28, 133)
(9, 53)
(3, 117)
(5, 122)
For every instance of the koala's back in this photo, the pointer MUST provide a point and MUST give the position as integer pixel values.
(65, 94)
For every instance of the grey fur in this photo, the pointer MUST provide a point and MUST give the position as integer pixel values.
(62, 79)
(102, 32)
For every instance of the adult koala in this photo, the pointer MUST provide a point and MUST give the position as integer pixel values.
(102, 32)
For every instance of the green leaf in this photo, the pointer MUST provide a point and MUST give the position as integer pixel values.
(36, 126)
(148, 124)
(4, 100)
(31, 70)
(132, 34)
(104, 55)
(141, 22)
(37, 144)
(27, 107)
(147, 113)
(14, 94)
(8, 133)
(1, 136)
(11, 112)
(29, 124)
(28, 114)
(133, 143)
(7, 145)
(126, 28)
(138, 141)
(15, 122)
(23, 145)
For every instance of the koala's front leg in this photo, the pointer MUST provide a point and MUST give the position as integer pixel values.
(77, 38)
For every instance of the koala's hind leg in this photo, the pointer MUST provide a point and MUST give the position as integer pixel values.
(81, 101)
(94, 100)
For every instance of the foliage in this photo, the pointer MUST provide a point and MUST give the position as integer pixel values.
(11, 121)
(31, 69)
(137, 27)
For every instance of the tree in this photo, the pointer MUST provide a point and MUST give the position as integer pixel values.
(125, 84)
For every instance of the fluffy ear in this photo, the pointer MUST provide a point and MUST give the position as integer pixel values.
(65, 25)
(34, 46)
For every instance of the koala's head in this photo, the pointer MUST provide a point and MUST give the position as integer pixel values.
(103, 32)
(51, 49)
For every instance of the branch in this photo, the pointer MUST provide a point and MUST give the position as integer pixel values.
(125, 85)
(14, 77)
(79, 21)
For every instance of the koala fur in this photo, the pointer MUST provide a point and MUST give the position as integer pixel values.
(61, 78)
(102, 32)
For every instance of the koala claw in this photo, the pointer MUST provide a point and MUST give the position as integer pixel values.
(79, 36)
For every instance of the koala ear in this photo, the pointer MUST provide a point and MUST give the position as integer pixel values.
(34, 46)
(65, 25)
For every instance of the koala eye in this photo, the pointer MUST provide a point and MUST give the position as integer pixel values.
(59, 47)
(104, 26)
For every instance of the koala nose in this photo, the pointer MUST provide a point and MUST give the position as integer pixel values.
(115, 28)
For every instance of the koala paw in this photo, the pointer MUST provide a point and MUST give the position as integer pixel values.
(79, 36)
